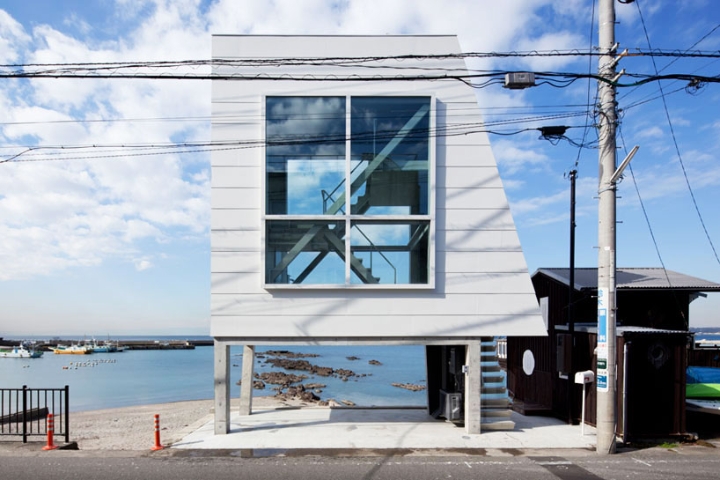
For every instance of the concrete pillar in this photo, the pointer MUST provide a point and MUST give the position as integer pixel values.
(473, 388)
(246, 387)
(222, 388)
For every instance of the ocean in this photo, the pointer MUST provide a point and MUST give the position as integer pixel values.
(140, 377)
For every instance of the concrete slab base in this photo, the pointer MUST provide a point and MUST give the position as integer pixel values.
(378, 428)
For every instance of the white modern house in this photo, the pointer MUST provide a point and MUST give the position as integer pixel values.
(358, 202)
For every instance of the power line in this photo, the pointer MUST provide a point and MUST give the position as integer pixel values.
(555, 79)
(68, 152)
(677, 148)
(589, 89)
(677, 58)
(352, 61)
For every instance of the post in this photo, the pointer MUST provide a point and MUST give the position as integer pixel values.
(246, 387)
(24, 413)
(473, 388)
(582, 415)
(606, 341)
(67, 414)
(222, 389)
(571, 302)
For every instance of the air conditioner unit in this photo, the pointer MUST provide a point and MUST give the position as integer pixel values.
(451, 406)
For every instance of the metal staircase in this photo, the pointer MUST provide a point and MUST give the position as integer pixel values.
(495, 404)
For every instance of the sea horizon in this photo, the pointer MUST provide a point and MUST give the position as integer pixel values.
(188, 336)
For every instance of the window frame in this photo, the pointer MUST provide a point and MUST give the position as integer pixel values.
(349, 218)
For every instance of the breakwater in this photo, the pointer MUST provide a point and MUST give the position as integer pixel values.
(49, 345)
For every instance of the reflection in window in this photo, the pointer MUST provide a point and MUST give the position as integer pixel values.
(309, 252)
(305, 154)
(391, 252)
(306, 163)
(390, 152)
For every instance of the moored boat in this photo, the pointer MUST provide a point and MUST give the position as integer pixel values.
(21, 351)
(72, 350)
(105, 347)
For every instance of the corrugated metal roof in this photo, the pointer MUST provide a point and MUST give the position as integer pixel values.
(623, 329)
(632, 278)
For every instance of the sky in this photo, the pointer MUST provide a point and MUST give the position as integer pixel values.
(114, 241)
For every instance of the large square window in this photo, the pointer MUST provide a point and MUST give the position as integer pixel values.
(322, 151)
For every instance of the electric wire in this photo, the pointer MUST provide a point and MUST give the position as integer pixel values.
(644, 210)
(589, 88)
(449, 130)
(241, 118)
(340, 61)
(553, 79)
(677, 148)
(704, 37)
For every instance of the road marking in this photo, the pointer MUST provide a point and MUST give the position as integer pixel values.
(640, 461)
(468, 465)
(564, 469)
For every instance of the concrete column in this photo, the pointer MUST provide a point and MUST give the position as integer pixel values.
(246, 387)
(473, 388)
(222, 388)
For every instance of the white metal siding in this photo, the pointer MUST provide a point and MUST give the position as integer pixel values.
(482, 286)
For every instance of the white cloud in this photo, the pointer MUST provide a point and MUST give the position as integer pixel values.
(550, 42)
(84, 212)
(513, 184)
(12, 38)
(512, 158)
(651, 132)
(142, 264)
(540, 203)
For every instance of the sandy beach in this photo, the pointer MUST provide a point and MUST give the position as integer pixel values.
(132, 428)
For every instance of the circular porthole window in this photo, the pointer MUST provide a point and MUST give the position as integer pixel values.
(528, 362)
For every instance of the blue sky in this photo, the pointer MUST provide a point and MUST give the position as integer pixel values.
(113, 244)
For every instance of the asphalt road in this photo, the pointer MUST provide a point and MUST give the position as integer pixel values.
(656, 465)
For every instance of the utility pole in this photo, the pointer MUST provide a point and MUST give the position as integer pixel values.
(571, 303)
(606, 308)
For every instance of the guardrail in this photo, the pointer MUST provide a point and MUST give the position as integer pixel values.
(24, 411)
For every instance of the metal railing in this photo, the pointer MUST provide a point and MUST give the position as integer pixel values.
(24, 411)
(501, 348)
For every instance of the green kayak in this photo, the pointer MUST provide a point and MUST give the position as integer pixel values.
(702, 390)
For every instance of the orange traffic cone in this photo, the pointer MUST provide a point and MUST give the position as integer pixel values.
(158, 445)
(50, 433)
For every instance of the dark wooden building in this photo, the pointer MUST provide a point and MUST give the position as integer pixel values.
(652, 340)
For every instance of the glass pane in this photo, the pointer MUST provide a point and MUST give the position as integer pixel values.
(389, 252)
(304, 252)
(390, 138)
(305, 155)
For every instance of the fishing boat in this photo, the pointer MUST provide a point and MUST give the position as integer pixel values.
(21, 351)
(72, 350)
(105, 347)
